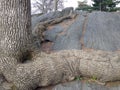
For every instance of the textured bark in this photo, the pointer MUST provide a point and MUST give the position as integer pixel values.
(15, 35)
(14, 27)
(45, 69)
(55, 5)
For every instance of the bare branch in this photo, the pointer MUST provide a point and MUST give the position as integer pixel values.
(45, 6)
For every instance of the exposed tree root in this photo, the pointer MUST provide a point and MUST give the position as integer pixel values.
(48, 69)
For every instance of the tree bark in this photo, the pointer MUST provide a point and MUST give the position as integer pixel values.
(55, 4)
(45, 69)
(15, 25)
(15, 34)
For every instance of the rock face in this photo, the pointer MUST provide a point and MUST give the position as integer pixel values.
(36, 19)
(51, 35)
(52, 15)
(96, 30)
(103, 31)
(80, 86)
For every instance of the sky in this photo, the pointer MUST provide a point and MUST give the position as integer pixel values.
(73, 3)
(68, 3)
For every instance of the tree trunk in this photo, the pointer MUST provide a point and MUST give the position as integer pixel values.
(15, 34)
(55, 4)
(14, 27)
(15, 42)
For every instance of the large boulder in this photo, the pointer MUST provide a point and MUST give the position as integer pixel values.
(49, 16)
(67, 11)
(103, 31)
(41, 18)
(51, 35)
(96, 30)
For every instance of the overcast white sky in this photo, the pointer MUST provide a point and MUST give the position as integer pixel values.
(74, 3)
(69, 3)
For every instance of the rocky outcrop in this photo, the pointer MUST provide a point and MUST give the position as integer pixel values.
(52, 15)
(103, 31)
(96, 30)
(40, 33)
(91, 34)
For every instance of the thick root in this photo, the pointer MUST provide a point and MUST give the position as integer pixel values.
(47, 69)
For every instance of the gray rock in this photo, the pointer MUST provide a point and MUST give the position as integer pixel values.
(103, 31)
(49, 16)
(52, 15)
(82, 85)
(67, 11)
(70, 40)
(77, 85)
(51, 35)
(81, 12)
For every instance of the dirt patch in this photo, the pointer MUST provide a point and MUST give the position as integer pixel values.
(46, 46)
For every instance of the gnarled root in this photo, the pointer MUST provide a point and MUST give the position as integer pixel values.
(47, 69)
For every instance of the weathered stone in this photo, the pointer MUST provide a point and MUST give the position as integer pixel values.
(52, 15)
(103, 31)
(77, 85)
(51, 35)
(49, 16)
(71, 38)
(96, 30)
(67, 11)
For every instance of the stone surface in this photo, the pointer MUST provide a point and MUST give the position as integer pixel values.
(65, 38)
(49, 16)
(67, 11)
(79, 85)
(96, 30)
(51, 34)
(71, 39)
(103, 31)
(40, 18)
